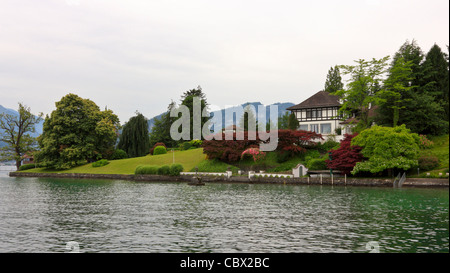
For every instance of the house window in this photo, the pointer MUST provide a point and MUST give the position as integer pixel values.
(325, 128)
(304, 127)
(315, 128)
(314, 113)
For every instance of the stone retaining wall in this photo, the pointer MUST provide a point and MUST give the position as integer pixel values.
(369, 182)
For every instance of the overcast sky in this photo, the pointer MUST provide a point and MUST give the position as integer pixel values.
(138, 55)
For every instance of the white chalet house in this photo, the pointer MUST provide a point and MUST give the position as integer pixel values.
(319, 113)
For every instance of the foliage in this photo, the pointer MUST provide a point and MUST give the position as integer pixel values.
(427, 163)
(364, 82)
(387, 148)
(227, 150)
(134, 139)
(176, 169)
(16, 134)
(317, 164)
(333, 82)
(186, 145)
(346, 156)
(293, 122)
(425, 143)
(159, 150)
(396, 88)
(329, 144)
(283, 121)
(291, 142)
(119, 154)
(188, 101)
(146, 169)
(253, 152)
(100, 163)
(27, 166)
(164, 170)
(156, 145)
(161, 129)
(248, 118)
(76, 132)
(197, 143)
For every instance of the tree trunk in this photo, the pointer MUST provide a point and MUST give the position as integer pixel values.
(18, 163)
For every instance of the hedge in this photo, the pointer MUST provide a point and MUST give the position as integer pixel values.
(173, 169)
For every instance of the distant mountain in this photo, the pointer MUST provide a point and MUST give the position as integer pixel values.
(226, 121)
(15, 113)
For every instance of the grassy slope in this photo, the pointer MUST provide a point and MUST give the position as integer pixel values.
(440, 149)
(189, 159)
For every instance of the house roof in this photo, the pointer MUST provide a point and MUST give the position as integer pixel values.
(320, 99)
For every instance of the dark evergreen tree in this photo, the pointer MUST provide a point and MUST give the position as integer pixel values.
(436, 78)
(135, 138)
(187, 99)
(161, 129)
(333, 82)
(293, 123)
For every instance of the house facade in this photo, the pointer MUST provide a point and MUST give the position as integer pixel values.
(319, 113)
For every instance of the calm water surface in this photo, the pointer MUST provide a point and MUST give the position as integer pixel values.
(43, 215)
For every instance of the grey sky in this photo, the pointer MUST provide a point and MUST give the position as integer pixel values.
(138, 55)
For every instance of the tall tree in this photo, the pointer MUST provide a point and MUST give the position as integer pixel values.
(293, 123)
(396, 88)
(16, 134)
(248, 118)
(135, 138)
(283, 121)
(76, 132)
(364, 82)
(187, 99)
(333, 82)
(161, 129)
(436, 77)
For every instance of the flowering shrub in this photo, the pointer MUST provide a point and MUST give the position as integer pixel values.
(424, 142)
(255, 153)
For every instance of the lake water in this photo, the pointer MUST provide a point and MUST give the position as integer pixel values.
(47, 215)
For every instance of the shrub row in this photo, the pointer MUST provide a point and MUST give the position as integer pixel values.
(174, 169)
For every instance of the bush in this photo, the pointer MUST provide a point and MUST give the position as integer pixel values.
(197, 143)
(159, 150)
(186, 146)
(427, 163)
(176, 169)
(317, 164)
(146, 169)
(119, 154)
(164, 170)
(156, 145)
(100, 163)
(27, 166)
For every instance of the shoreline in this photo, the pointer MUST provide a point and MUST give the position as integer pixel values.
(337, 181)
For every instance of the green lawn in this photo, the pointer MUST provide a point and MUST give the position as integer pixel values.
(189, 159)
(440, 150)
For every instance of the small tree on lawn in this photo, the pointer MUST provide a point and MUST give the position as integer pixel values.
(346, 156)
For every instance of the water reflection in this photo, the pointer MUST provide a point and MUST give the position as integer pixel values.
(42, 215)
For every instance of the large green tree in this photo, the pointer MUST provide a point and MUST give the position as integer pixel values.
(187, 99)
(76, 132)
(134, 139)
(359, 94)
(387, 148)
(333, 82)
(395, 94)
(436, 78)
(16, 134)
